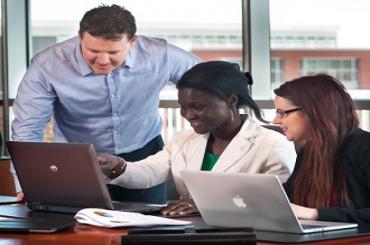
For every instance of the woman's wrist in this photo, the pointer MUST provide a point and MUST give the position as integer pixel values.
(122, 168)
(119, 169)
(314, 214)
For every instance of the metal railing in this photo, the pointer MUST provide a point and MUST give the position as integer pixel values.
(173, 121)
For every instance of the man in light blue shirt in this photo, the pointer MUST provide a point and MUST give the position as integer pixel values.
(102, 87)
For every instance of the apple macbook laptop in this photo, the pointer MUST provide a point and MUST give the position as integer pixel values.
(64, 177)
(248, 200)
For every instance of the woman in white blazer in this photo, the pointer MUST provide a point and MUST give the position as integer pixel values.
(210, 95)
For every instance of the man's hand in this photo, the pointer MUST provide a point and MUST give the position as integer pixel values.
(181, 207)
(304, 212)
(112, 166)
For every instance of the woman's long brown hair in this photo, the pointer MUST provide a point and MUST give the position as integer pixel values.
(331, 118)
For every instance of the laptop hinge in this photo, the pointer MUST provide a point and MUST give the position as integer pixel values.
(54, 208)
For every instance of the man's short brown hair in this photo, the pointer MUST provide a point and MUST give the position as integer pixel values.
(108, 22)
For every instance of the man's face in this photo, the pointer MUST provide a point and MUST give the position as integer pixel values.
(103, 56)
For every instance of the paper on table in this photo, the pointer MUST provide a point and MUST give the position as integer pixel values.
(109, 218)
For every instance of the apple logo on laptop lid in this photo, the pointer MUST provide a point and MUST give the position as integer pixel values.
(239, 202)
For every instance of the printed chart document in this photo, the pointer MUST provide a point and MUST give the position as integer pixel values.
(110, 218)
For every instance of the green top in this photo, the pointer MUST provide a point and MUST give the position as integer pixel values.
(209, 161)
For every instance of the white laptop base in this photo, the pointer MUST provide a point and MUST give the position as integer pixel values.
(248, 200)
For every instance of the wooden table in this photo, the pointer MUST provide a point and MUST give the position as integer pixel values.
(80, 234)
(86, 234)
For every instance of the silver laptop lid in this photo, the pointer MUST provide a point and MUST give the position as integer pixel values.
(60, 177)
(239, 200)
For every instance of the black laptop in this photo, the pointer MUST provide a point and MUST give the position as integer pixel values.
(65, 177)
(34, 225)
(18, 218)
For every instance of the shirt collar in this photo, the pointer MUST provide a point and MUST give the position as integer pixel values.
(249, 129)
(131, 57)
(84, 67)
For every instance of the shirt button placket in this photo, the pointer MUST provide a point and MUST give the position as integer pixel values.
(115, 116)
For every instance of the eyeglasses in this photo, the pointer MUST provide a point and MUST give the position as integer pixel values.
(282, 113)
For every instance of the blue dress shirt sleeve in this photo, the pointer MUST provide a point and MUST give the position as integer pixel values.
(181, 61)
(33, 106)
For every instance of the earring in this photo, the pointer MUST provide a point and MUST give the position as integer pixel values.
(232, 116)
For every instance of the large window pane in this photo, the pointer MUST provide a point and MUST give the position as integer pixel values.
(314, 36)
(323, 36)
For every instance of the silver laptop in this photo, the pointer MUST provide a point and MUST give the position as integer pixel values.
(64, 177)
(248, 200)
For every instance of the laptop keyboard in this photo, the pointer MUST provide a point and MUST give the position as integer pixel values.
(137, 207)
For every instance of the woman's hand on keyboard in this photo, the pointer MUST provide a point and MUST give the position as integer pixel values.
(304, 212)
(181, 207)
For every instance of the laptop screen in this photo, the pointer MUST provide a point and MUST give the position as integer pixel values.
(61, 177)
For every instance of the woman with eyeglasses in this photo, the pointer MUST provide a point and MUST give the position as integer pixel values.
(331, 178)
(221, 139)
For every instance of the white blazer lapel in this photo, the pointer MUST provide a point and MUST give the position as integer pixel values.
(195, 152)
(238, 147)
